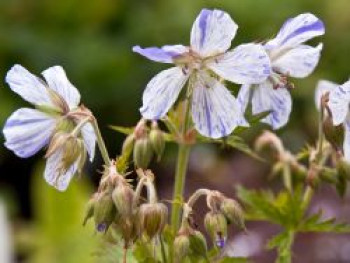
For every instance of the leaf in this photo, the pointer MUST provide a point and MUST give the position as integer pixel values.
(123, 130)
(314, 224)
(283, 209)
(283, 243)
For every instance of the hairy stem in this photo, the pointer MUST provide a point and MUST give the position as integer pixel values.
(101, 143)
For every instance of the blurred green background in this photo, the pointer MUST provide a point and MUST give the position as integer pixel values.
(92, 40)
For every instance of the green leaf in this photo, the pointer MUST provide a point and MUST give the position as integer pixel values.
(283, 243)
(123, 130)
(283, 209)
(315, 224)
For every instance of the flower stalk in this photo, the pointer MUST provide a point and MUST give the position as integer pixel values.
(100, 142)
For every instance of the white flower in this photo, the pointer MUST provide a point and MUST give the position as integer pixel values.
(339, 102)
(28, 130)
(215, 112)
(289, 57)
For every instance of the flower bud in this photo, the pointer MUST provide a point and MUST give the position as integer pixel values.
(269, 139)
(127, 227)
(157, 140)
(89, 212)
(233, 212)
(128, 144)
(333, 134)
(198, 244)
(153, 218)
(104, 211)
(216, 224)
(143, 152)
(181, 247)
(123, 197)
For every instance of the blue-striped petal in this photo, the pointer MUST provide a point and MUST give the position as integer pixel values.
(339, 99)
(27, 131)
(57, 80)
(165, 54)
(246, 64)
(212, 32)
(89, 138)
(28, 86)
(161, 93)
(53, 173)
(214, 109)
(278, 101)
(296, 31)
(323, 86)
(346, 143)
(298, 62)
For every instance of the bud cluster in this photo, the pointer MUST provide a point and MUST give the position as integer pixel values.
(116, 205)
(145, 142)
(223, 212)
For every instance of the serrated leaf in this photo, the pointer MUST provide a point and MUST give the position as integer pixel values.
(283, 243)
(315, 224)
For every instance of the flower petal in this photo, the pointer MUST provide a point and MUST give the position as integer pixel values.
(298, 62)
(296, 31)
(246, 64)
(323, 86)
(214, 109)
(165, 54)
(278, 101)
(89, 137)
(27, 131)
(53, 174)
(212, 32)
(161, 93)
(346, 143)
(57, 80)
(339, 99)
(242, 102)
(28, 86)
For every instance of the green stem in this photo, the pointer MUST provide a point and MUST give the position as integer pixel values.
(287, 178)
(101, 143)
(180, 176)
(162, 249)
(307, 197)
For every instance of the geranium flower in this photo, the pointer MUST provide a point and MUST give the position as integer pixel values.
(290, 57)
(215, 112)
(52, 122)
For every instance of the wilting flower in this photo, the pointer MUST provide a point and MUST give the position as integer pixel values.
(52, 122)
(290, 57)
(338, 104)
(215, 112)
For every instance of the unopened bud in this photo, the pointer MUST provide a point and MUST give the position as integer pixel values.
(104, 212)
(233, 212)
(333, 134)
(181, 247)
(269, 139)
(123, 197)
(157, 140)
(153, 218)
(128, 144)
(143, 152)
(216, 224)
(198, 244)
(127, 227)
(89, 212)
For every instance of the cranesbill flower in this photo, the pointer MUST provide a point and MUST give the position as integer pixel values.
(53, 122)
(290, 57)
(215, 112)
